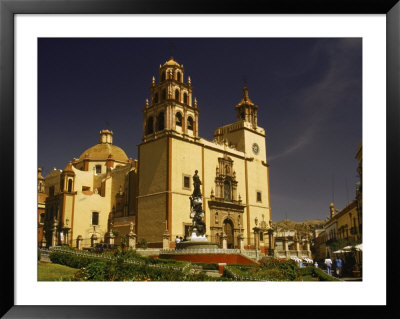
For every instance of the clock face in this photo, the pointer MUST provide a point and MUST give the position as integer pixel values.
(255, 148)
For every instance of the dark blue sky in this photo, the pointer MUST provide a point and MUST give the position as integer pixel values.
(309, 93)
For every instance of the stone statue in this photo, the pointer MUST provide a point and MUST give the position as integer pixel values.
(196, 185)
(196, 209)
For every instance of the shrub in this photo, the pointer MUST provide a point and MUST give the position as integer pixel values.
(269, 270)
(323, 276)
(142, 243)
(70, 260)
(97, 271)
(125, 265)
(313, 272)
(39, 254)
(307, 271)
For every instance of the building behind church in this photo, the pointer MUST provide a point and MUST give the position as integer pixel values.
(100, 194)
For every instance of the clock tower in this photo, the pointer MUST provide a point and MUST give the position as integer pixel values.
(244, 135)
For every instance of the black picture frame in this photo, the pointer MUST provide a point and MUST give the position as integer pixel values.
(8, 10)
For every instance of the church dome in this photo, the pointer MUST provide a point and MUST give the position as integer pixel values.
(171, 62)
(105, 149)
(102, 151)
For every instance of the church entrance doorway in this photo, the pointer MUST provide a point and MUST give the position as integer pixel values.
(228, 229)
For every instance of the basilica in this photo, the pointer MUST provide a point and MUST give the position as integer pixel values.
(103, 195)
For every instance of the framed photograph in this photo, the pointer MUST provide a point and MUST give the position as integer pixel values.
(54, 54)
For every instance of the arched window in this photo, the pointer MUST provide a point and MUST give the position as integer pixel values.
(190, 123)
(178, 119)
(164, 94)
(163, 75)
(177, 95)
(185, 98)
(156, 98)
(178, 76)
(160, 121)
(69, 185)
(149, 126)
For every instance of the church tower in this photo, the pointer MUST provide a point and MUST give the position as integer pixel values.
(171, 109)
(244, 135)
(170, 116)
(246, 110)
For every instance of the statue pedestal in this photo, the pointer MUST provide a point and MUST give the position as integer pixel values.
(194, 237)
(196, 242)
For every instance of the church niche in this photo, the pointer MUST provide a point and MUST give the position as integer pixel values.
(226, 210)
(225, 180)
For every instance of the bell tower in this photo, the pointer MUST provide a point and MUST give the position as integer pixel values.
(244, 135)
(246, 110)
(170, 109)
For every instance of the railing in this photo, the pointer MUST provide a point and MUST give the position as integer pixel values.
(199, 251)
(292, 253)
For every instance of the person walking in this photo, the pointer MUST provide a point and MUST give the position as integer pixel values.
(339, 265)
(328, 263)
(177, 241)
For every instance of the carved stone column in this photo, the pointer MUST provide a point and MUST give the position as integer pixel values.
(307, 244)
(54, 237)
(44, 241)
(132, 240)
(79, 240)
(110, 238)
(297, 244)
(271, 242)
(241, 241)
(224, 241)
(285, 244)
(166, 238)
(256, 237)
(94, 239)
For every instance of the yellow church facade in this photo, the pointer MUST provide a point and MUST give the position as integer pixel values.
(233, 167)
(153, 192)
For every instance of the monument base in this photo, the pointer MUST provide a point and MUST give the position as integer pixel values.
(194, 237)
(198, 244)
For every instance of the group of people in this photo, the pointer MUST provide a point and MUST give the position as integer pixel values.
(338, 266)
(178, 239)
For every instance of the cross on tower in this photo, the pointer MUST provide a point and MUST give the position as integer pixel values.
(244, 81)
(172, 48)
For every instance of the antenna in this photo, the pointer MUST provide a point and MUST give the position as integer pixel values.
(333, 188)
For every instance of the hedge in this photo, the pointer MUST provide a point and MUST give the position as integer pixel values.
(274, 270)
(316, 272)
(76, 259)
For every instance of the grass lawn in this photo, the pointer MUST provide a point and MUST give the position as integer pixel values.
(53, 272)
